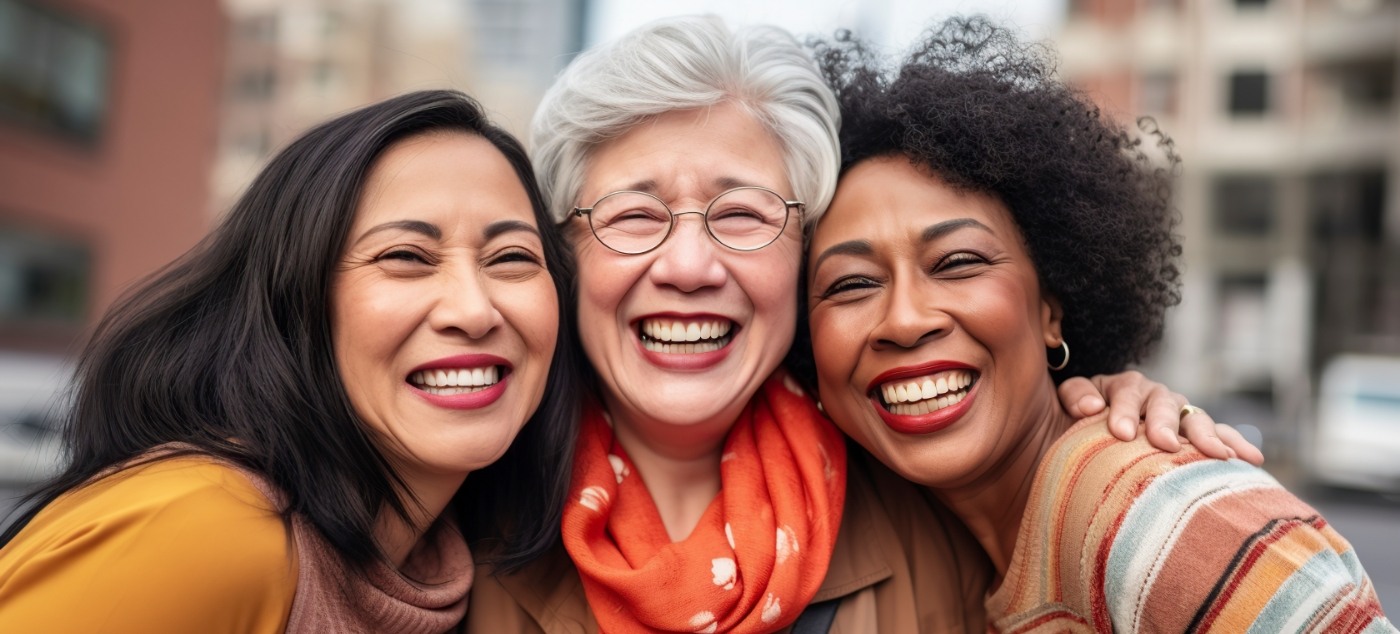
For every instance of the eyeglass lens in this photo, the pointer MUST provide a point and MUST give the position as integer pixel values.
(746, 218)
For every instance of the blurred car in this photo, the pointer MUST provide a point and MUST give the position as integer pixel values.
(1357, 439)
(31, 400)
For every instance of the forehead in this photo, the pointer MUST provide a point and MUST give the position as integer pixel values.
(891, 198)
(442, 176)
(685, 153)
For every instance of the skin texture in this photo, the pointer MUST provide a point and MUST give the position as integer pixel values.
(672, 420)
(886, 296)
(467, 277)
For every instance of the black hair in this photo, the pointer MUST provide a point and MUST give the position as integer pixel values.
(228, 349)
(986, 113)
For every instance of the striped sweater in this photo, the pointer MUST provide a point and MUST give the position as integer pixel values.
(1121, 537)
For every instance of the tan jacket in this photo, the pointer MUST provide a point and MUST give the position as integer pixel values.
(902, 564)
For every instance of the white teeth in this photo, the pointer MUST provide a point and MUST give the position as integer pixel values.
(926, 406)
(927, 389)
(456, 381)
(681, 348)
(670, 331)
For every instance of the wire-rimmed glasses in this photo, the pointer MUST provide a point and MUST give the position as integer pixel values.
(744, 219)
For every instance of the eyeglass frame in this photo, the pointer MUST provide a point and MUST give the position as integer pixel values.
(704, 218)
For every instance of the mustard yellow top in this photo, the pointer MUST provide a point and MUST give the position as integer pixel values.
(178, 545)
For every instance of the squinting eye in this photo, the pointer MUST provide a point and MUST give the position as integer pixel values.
(403, 255)
(958, 260)
(848, 284)
(515, 256)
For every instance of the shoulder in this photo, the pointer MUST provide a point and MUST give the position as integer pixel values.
(174, 538)
(546, 596)
(1176, 539)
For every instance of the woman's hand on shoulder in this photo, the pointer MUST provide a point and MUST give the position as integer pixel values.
(1131, 398)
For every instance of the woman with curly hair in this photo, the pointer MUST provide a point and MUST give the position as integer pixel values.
(987, 220)
(709, 494)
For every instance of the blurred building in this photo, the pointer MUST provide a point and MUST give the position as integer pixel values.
(108, 124)
(1285, 113)
(517, 47)
(294, 63)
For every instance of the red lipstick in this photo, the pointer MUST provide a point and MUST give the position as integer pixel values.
(921, 423)
(693, 362)
(466, 400)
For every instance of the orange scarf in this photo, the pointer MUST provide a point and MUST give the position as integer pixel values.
(761, 549)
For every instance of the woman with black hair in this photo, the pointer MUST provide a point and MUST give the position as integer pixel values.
(275, 432)
(987, 222)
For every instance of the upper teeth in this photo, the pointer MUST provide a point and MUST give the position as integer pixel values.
(673, 330)
(463, 377)
(925, 387)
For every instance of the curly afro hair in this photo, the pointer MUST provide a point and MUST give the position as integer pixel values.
(987, 114)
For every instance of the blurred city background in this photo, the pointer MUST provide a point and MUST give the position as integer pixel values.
(128, 126)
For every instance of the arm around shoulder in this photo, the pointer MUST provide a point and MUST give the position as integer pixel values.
(180, 545)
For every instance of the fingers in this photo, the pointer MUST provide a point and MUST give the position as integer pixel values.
(1080, 397)
(1125, 393)
(1162, 415)
(1242, 448)
(1199, 428)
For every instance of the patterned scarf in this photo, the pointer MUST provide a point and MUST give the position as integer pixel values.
(759, 552)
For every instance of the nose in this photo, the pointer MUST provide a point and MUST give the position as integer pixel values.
(689, 258)
(913, 316)
(464, 305)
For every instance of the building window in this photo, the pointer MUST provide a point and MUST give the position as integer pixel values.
(1244, 205)
(256, 85)
(1348, 204)
(1157, 93)
(1249, 93)
(43, 279)
(260, 28)
(53, 70)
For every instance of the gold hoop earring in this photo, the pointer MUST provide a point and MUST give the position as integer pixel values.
(1063, 362)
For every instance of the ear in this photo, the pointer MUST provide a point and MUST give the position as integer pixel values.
(1051, 319)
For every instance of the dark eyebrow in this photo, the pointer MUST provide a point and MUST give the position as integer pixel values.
(849, 247)
(934, 232)
(417, 226)
(506, 226)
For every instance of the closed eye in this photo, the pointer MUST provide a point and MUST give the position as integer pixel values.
(849, 284)
(403, 255)
(515, 255)
(958, 262)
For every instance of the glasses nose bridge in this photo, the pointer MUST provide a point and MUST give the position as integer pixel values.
(704, 219)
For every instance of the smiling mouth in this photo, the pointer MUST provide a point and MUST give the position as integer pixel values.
(924, 394)
(685, 336)
(449, 381)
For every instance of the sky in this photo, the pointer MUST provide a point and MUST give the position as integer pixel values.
(892, 24)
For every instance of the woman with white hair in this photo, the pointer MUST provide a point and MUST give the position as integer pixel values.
(709, 493)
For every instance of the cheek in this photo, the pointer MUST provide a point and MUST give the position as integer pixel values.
(540, 321)
(367, 321)
(603, 283)
(837, 342)
(770, 282)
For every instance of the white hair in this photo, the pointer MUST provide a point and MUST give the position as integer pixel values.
(682, 63)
